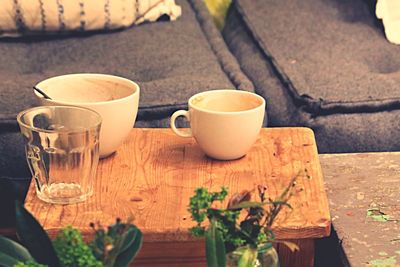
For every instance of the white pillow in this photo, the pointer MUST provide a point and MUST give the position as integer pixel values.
(389, 12)
(39, 16)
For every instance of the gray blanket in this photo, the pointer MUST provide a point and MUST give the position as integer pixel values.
(323, 64)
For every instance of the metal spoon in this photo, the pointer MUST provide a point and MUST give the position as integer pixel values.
(41, 92)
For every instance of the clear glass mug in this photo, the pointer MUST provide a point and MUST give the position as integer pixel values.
(62, 150)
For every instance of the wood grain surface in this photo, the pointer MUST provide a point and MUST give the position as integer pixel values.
(154, 173)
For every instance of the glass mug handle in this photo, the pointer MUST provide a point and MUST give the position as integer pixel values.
(176, 114)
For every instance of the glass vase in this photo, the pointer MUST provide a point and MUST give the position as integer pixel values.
(266, 257)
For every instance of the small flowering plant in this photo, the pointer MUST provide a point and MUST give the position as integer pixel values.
(244, 226)
(114, 246)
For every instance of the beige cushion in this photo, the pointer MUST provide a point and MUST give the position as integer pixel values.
(39, 16)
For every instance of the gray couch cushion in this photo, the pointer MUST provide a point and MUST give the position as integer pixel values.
(323, 64)
(170, 60)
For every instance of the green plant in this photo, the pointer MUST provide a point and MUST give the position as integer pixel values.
(72, 250)
(118, 245)
(115, 246)
(218, 10)
(225, 233)
(29, 264)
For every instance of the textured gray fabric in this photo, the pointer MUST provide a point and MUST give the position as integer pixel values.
(171, 61)
(332, 54)
(226, 59)
(341, 130)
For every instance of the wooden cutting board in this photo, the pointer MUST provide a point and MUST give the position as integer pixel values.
(154, 173)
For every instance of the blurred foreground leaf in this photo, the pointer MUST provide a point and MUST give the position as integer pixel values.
(34, 238)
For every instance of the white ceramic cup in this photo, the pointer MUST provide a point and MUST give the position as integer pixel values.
(116, 99)
(225, 123)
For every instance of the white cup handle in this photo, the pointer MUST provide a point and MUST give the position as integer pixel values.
(176, 114)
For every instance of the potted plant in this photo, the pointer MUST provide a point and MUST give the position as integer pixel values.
(116, 245)
(240, 234)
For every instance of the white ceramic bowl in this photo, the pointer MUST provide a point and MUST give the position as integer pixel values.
(116, 99)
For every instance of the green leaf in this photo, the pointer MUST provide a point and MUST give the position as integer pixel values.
(34, 238)
(14, 249)
(248, 258)
(218, 10)
(247, 204)
(279, 202)
(130, 253)
(215, 247)
(7, 260)
(264, 247)
(377, 215)
(128, 238)
(253, 204)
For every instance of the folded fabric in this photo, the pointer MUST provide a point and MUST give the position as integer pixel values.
(22, 17)
(389, 12)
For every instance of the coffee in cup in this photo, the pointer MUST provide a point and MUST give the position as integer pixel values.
(225, 123)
